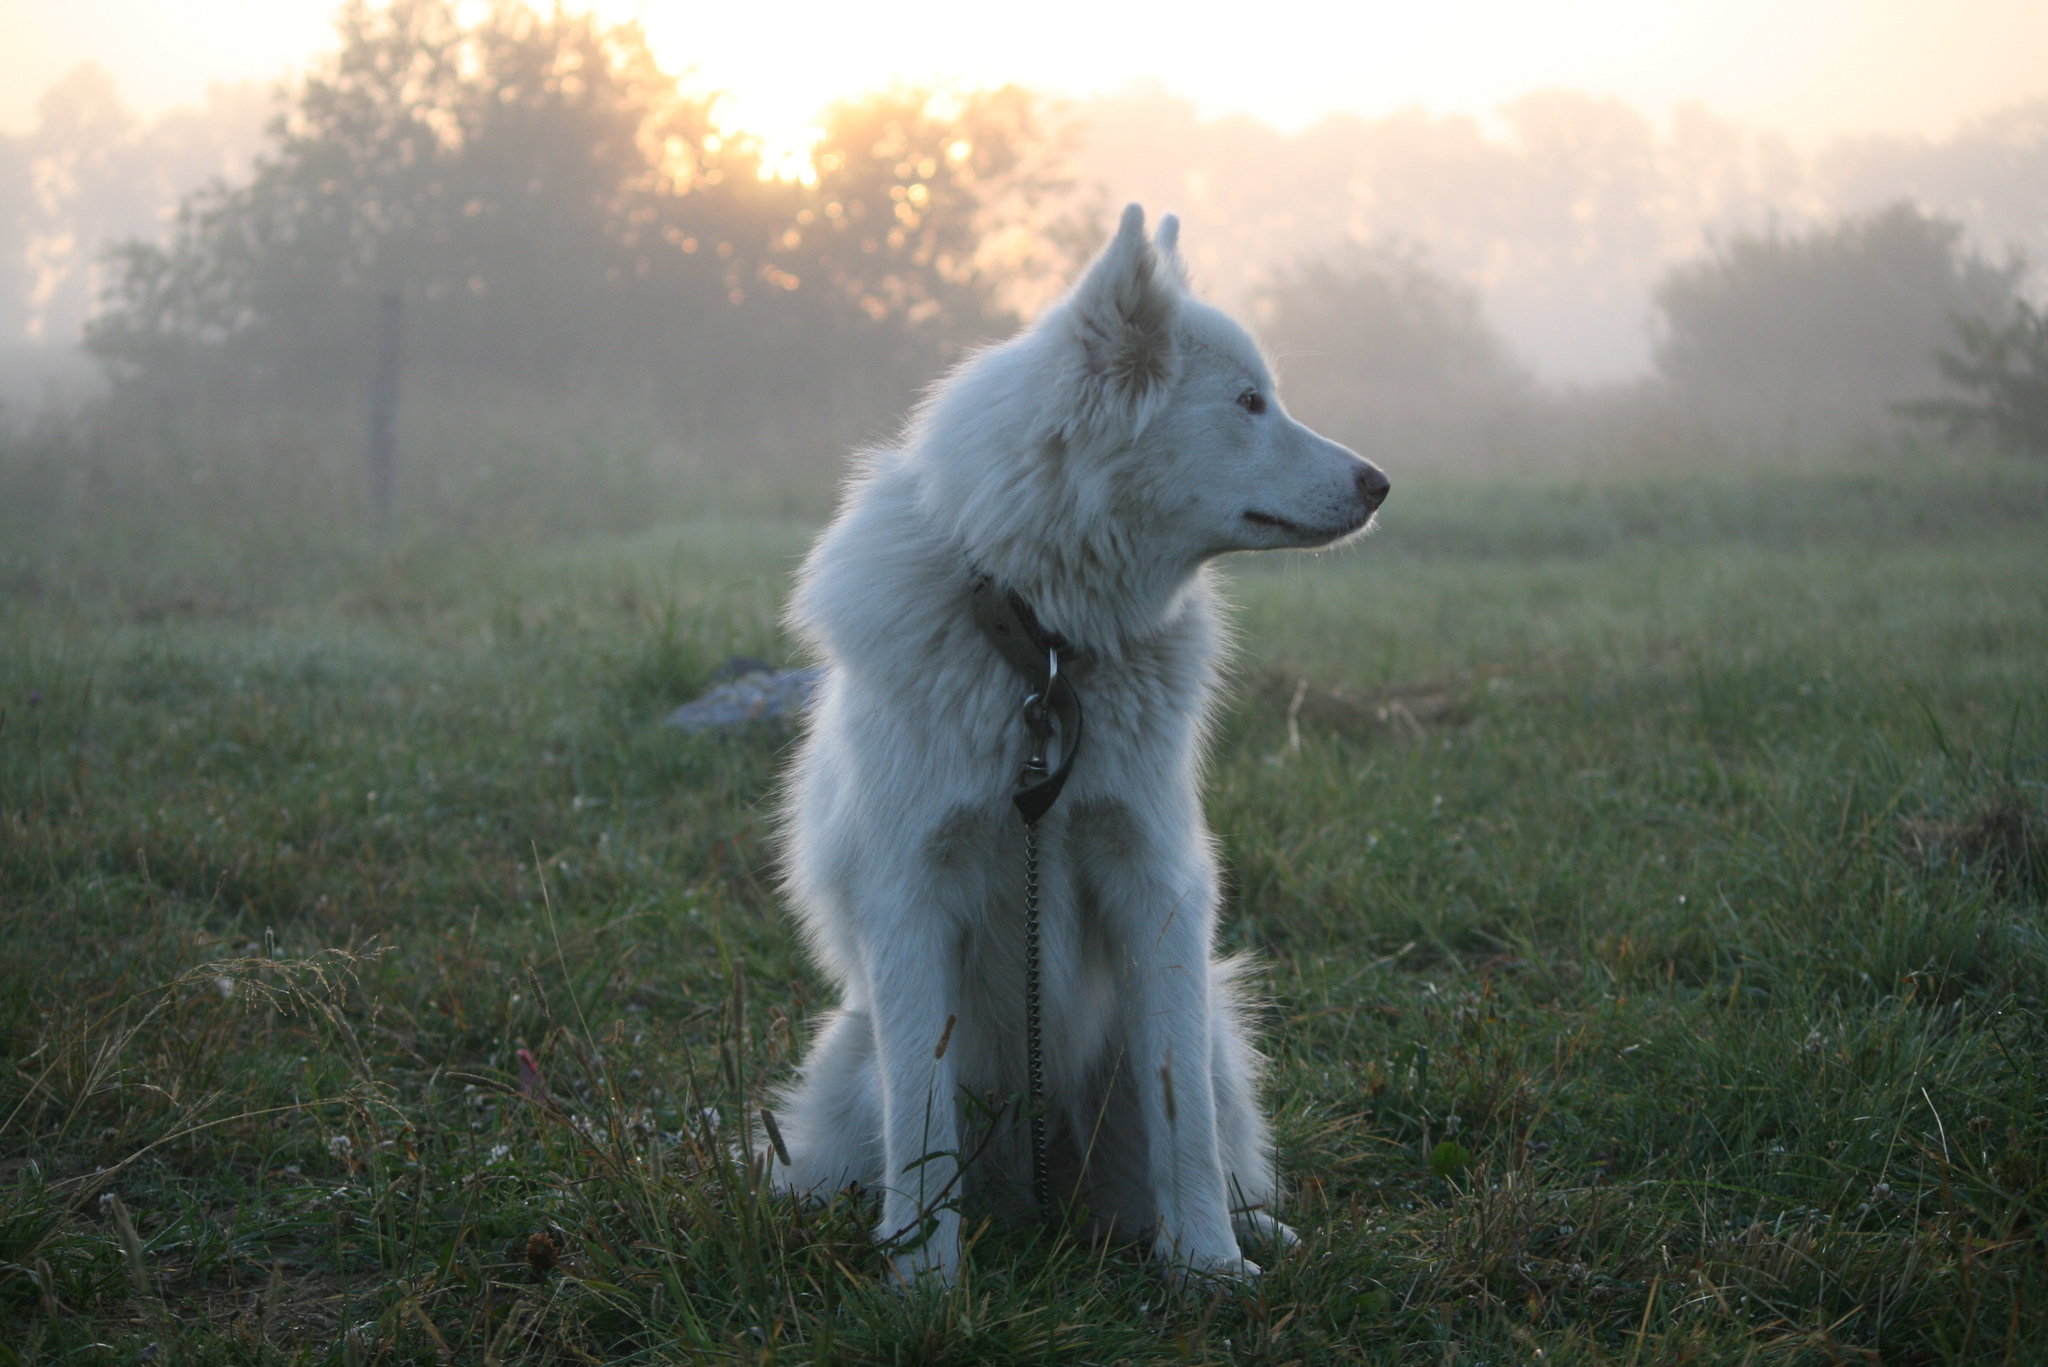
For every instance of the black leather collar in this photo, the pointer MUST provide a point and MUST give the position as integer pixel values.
(1046, 661)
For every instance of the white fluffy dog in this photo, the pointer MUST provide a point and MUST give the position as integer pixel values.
(1091, 467)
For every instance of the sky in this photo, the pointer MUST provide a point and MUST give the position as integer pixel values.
(1811, 69)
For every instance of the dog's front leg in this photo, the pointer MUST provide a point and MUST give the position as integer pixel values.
(1171, 1032)
(913, 982)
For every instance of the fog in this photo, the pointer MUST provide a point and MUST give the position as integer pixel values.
(90, 174)
(1562, 213)
(589, 273)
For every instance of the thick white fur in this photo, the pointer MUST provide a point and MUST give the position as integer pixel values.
(1094, 464)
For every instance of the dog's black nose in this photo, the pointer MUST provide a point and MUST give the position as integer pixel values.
(1373, 485)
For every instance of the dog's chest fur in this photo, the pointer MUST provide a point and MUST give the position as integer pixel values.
(1144, 709)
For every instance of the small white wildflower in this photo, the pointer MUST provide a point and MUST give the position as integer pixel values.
(500, 1152)
(340, 1146)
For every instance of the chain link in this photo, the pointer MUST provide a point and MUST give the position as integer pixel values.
(1041, 1182)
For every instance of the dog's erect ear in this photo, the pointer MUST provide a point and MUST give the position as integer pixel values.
(1123, 314)
(1167, 240)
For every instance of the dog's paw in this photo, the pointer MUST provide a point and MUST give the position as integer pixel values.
(930, 1261)
(1216, 1274)
(1258, 1228)
(915, 1271)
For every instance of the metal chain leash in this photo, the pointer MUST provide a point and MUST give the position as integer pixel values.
(1051, 709)
(1041, 1181)
(1039, 721)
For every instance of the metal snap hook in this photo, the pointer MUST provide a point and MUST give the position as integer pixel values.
(1038, 717)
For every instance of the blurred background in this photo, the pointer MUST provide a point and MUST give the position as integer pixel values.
(445, 267)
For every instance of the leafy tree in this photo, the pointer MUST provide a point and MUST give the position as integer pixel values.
(1832, 323)
(494, 174)
(90, 172)
(914, 194)
(2006, 369)
(557, 213)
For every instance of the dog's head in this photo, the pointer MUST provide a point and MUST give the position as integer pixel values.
(1180, 399)
(1126, 437)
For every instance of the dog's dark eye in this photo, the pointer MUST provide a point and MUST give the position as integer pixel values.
(1252, 401)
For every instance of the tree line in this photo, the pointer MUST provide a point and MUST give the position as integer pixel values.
(561, 220)
(559, 216)
(1778, 342)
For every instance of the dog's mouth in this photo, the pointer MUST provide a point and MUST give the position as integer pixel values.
(1259, 519)
(1300, 530)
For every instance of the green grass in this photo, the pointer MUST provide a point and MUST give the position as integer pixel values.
(1651, 875)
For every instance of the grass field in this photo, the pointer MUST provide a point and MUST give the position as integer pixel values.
(1651, 873)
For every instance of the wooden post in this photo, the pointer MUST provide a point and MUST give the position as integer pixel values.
(384, 411)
